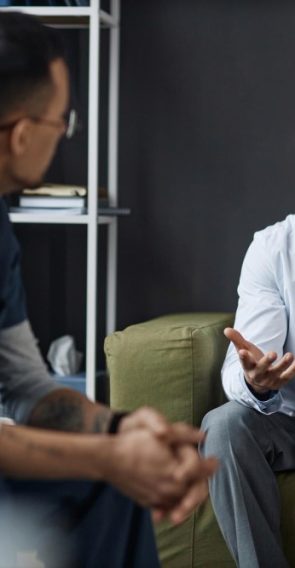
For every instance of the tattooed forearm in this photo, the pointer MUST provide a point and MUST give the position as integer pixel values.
(59, 413)
(69, 411)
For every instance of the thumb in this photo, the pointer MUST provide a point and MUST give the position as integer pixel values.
(237, 339)
(148, 418)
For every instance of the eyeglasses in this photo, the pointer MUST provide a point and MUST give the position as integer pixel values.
(70, 122)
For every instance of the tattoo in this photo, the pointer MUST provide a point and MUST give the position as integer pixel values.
(59, 413)
(69, 411)
(102, 420)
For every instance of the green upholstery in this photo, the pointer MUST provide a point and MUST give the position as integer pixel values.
(173, 364)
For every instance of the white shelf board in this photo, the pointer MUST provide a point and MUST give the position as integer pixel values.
(51, 11)
(57, 219)
(67, 15)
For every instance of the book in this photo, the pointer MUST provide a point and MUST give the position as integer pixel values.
(50, 195)
(57, 190)
(44, 201)
(55, 211)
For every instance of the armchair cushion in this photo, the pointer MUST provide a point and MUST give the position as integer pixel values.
(173, 364)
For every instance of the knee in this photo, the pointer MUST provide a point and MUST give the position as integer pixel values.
(228, 426)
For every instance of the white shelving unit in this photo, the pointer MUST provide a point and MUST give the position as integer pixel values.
(92, 17)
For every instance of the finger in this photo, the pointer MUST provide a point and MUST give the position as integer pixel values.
(264, 365)
(193, 467)
(148, 418)
(288, 373)
(236, 337)
(158, 514)
(274, 379)
(247, 360)
(189, 464)
(181, 433)
(284, 364)
(195, 495)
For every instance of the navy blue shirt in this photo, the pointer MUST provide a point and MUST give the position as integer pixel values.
(24, 378)
(12, 298)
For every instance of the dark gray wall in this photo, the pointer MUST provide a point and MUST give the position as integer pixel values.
(207, 146)
(207, 156)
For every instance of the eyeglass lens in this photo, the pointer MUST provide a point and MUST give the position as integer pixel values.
(72, 124)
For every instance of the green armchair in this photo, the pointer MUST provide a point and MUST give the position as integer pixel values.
(173, 364)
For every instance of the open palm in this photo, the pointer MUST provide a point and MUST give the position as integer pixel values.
(260, 370)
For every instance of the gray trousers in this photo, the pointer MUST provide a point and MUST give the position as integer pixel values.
(244, 493)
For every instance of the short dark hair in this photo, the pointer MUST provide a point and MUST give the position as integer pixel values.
(27, 48)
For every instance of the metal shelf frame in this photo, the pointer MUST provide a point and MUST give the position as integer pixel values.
(94, 18)
(67, 15)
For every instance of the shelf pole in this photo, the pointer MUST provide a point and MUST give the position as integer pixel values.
(93, 168)
(112, 244)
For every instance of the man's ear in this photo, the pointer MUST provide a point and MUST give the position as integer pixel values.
(20, 137)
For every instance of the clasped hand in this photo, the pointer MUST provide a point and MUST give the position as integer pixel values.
(160, 466)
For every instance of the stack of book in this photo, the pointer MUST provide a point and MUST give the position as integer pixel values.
(53, 197)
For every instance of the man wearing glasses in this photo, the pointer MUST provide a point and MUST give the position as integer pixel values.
(69, 123)
(132, 458)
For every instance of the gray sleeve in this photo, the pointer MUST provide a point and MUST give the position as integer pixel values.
(24, 378)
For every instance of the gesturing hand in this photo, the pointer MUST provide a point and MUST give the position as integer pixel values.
(259, 368)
